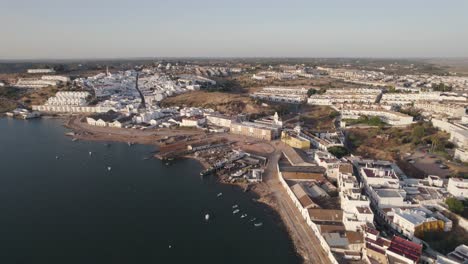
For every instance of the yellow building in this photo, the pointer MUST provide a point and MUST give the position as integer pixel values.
(294, 141)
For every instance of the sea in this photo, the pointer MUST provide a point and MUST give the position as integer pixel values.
(64, 201)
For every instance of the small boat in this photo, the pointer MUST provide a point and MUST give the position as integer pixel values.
(219, 194)
(258, 224)
(167, 164)
(235, 211)
(109, 168)
(244, 216)
(74, 139)
(170, 246)
(207, 217)
(90, 153)
(235, 206)
(253, 219)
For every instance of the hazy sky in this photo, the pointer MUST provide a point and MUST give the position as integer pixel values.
(249, 28)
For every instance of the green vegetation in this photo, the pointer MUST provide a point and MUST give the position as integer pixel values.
(446, 242)
(313, 91)
(416, 113)
(365, 120)
(441, 87)
(417, 133)
(338, 152)
(455, 205)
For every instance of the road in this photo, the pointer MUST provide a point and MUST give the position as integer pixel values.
(306, 241)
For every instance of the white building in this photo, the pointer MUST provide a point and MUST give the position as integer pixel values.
(219, 120)
(408, 221)
(59, 78)
(458, 132)
(441, 108)
(41, 71)
(458, 187)
(34, 83)
(389, 117)
(193, 121)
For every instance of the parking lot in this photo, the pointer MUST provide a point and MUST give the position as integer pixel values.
(429, 163)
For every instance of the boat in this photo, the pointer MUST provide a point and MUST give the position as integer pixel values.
(74, 139)
(56, 157)
(235, 211)
(207, 217)
(109, 168)
(219, 194)
(235, 206)
(258, 224)
(253, 219)
(244, 216)
(90, 153)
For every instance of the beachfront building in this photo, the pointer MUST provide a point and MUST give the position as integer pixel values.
(70, 102)
(458, 187)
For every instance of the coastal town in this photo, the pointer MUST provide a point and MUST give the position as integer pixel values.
(363, 166)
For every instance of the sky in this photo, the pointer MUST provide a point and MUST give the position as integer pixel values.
(61, 29)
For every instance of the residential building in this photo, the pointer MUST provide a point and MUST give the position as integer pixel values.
(458, 187)
(193, 121)
(34, 71)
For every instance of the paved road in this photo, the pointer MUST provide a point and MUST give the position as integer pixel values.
(309, 244)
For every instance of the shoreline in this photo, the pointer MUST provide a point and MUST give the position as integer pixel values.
(260, 191)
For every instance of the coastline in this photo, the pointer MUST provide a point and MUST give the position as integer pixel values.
(260, 191)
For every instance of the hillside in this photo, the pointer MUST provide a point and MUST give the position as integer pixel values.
(223, 102)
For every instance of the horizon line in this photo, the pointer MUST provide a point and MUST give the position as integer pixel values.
(3, 60)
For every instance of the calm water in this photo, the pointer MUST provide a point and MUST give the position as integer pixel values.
(73, 210)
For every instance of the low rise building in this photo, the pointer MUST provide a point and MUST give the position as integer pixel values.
(193, 121)
(255, 130)
(219, 120)
(35, 71)
(293, 139)
(458, 187)
(415, 222)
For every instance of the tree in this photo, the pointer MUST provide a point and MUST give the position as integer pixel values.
(418, 133)
(311, 91)
(436, 143)
(455, 205)
(338, 152)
